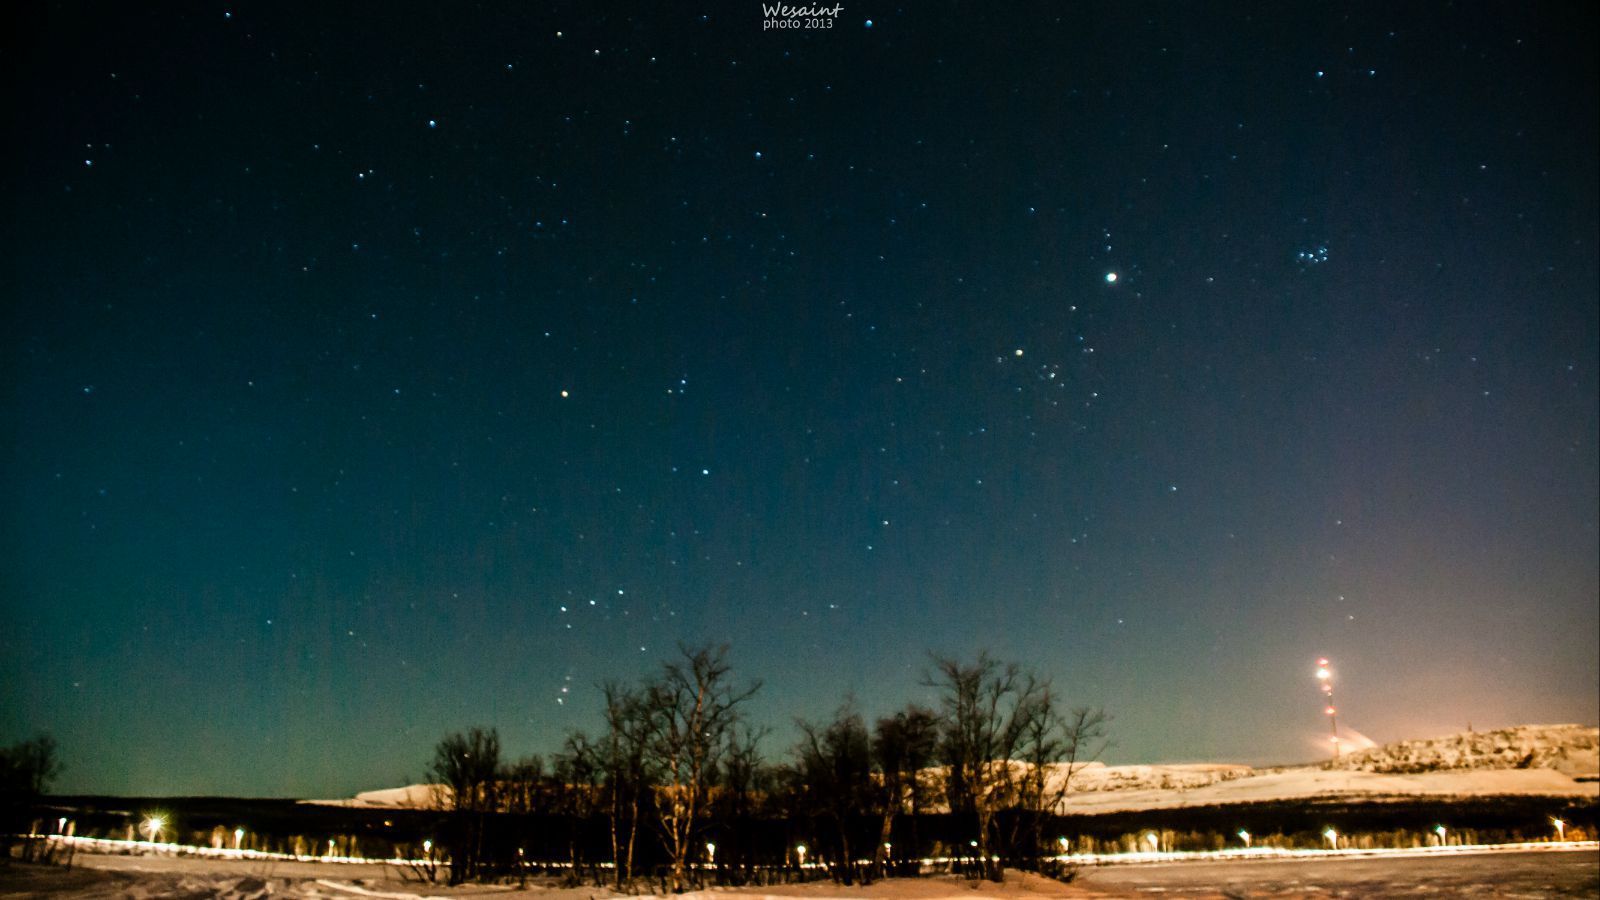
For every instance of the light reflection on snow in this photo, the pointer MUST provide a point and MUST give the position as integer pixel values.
(109, 845)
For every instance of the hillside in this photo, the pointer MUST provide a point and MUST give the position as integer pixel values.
(1569, 749)
(1529, 760)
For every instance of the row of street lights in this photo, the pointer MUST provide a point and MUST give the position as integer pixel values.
(1330, 834)
(152, 826)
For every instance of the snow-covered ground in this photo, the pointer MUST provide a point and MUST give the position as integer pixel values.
(1573, 872)
(1497, 875)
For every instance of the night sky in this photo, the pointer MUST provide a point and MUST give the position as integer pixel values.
(387, 370)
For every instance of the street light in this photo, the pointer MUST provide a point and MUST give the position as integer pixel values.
(1439, 830)
(711, 853)
(1065, 844)
(1333, 838)
(800, 851)
(153, 826)
(1561, 829)
(238, 838)
(1244, 836)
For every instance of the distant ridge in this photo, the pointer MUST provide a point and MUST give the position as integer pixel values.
(1570, 749)
(412, 796)
(1558, 761)
(1526, 760)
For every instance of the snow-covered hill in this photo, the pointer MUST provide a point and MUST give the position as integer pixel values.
(1569, 749)
(1319, 783)
(1097, 776)
(1528, 760)
(412, 796)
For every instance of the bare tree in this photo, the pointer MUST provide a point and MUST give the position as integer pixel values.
(1083, 730)
(26, 770)
(691, 707)
(985, 706)
(577, 775)
(743, 777)
(467, 769)
(1039, 746)
(903, 745)
(1054, 746)
(834, 763)
(522, 786)
(524, 791)
(625, 770)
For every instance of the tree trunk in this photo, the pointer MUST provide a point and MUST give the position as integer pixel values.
(882, 852)
(846, 864)
(616, 858)
(990, 869)
(633, 831)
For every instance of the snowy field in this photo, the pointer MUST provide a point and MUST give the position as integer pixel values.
(1565, 874)
(1550, 873)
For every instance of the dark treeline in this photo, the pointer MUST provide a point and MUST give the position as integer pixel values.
(676, 789)
(684, 790)
(26, 770)
(545, 839)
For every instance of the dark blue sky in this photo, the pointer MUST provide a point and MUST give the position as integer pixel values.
(377, 372)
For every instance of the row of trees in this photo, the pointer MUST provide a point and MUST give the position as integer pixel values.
(677, 762)
(26, 770)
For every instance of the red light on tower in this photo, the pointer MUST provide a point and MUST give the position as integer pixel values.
(1324, 675)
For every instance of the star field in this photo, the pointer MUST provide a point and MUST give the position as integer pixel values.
(378, 374)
